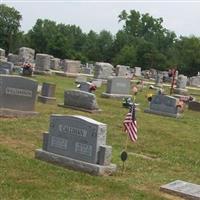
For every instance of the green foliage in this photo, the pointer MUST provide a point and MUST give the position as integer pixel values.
(9, 26)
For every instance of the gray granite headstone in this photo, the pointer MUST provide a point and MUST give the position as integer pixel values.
(194, 105)
(17, 94)
(77, 142)
(80, 79)
(103, 70)
(80, 100)
(42, 62)
(85, 86)
(2, 52)
(181, 85)
(26, 55)
(55, 63)
(117, 87)
(195, 81)
(6, 65)
(121, 70)
(137, 71)
(13, 58)
(47, 93)
(71, 66)
(164, 105)
(159, 80)
(183, 189)
(97, 82)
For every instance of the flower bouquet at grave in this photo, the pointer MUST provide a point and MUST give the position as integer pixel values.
(27, 69)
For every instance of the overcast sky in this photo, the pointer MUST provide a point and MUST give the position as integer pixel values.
(183, 17)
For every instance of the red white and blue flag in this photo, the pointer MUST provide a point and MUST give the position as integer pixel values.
(130, 124)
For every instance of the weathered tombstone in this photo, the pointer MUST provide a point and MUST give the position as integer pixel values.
(55, 63)
(97, 82)
(6, 65)
(137, 71)
(85, 86)
(159, 80)
(194, 81)
(194, 105)
(117, 87)
(102, 70)
(2, 53)
(121, 70)
(80, 100)
(87, 70)
(80, 79)
(183, 189)
(17, 96)
(26, 55)
(164, 105)
(181, 85)
(79, 143)
(71, 66)
(47, 93)
(4, 71)
(13, 58)
(42, 63)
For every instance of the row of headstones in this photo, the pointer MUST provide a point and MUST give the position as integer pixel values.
(76, 142)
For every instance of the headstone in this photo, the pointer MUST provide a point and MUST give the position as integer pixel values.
(42, 62)
(87, 70)
(79, 143)
(122, 70)
(194, 81)
(181, 85)
(71, 66)
(80, 100)
(137, 71)
(159, 80)
(6, 65)
(55, 63)
(117, 87)
(182, 189)
(13, 58)
(4, 71)
(194, 105)
(2, 53)
(47, 93)
(97, 82)
(164, 105)
(80, 79)
(26, 55)
(103, 70)
(17, 96)
(85, 86)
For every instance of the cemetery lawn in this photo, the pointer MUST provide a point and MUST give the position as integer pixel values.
(167, 149)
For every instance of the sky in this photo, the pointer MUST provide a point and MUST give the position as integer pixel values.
(182, 17)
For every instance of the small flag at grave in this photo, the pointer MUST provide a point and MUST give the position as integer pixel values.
(130, 124)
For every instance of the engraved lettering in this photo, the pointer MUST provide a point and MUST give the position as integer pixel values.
(18, 92)
(83, 149)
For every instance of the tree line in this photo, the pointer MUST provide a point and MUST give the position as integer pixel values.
(143, 41)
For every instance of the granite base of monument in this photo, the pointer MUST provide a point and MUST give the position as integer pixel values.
(16, 113)
(115, 96)
(46, 100)
(79, 108)
(178, 115)
(183, 189)
(71, 75)
(93, 169)
(180, 91)
(47, 73)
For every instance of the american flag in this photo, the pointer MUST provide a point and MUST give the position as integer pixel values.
(130, 124)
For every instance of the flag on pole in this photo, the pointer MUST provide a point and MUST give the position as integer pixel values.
(130, 124)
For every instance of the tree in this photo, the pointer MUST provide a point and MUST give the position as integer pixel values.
(9, 26)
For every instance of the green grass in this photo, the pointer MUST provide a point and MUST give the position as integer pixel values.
(172, 146)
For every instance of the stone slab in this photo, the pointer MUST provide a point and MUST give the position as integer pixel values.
(16, 113)
(93, 169)
(47, 100)
(81, 109)
(115, 96)
(162, 113)
(183, 189)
